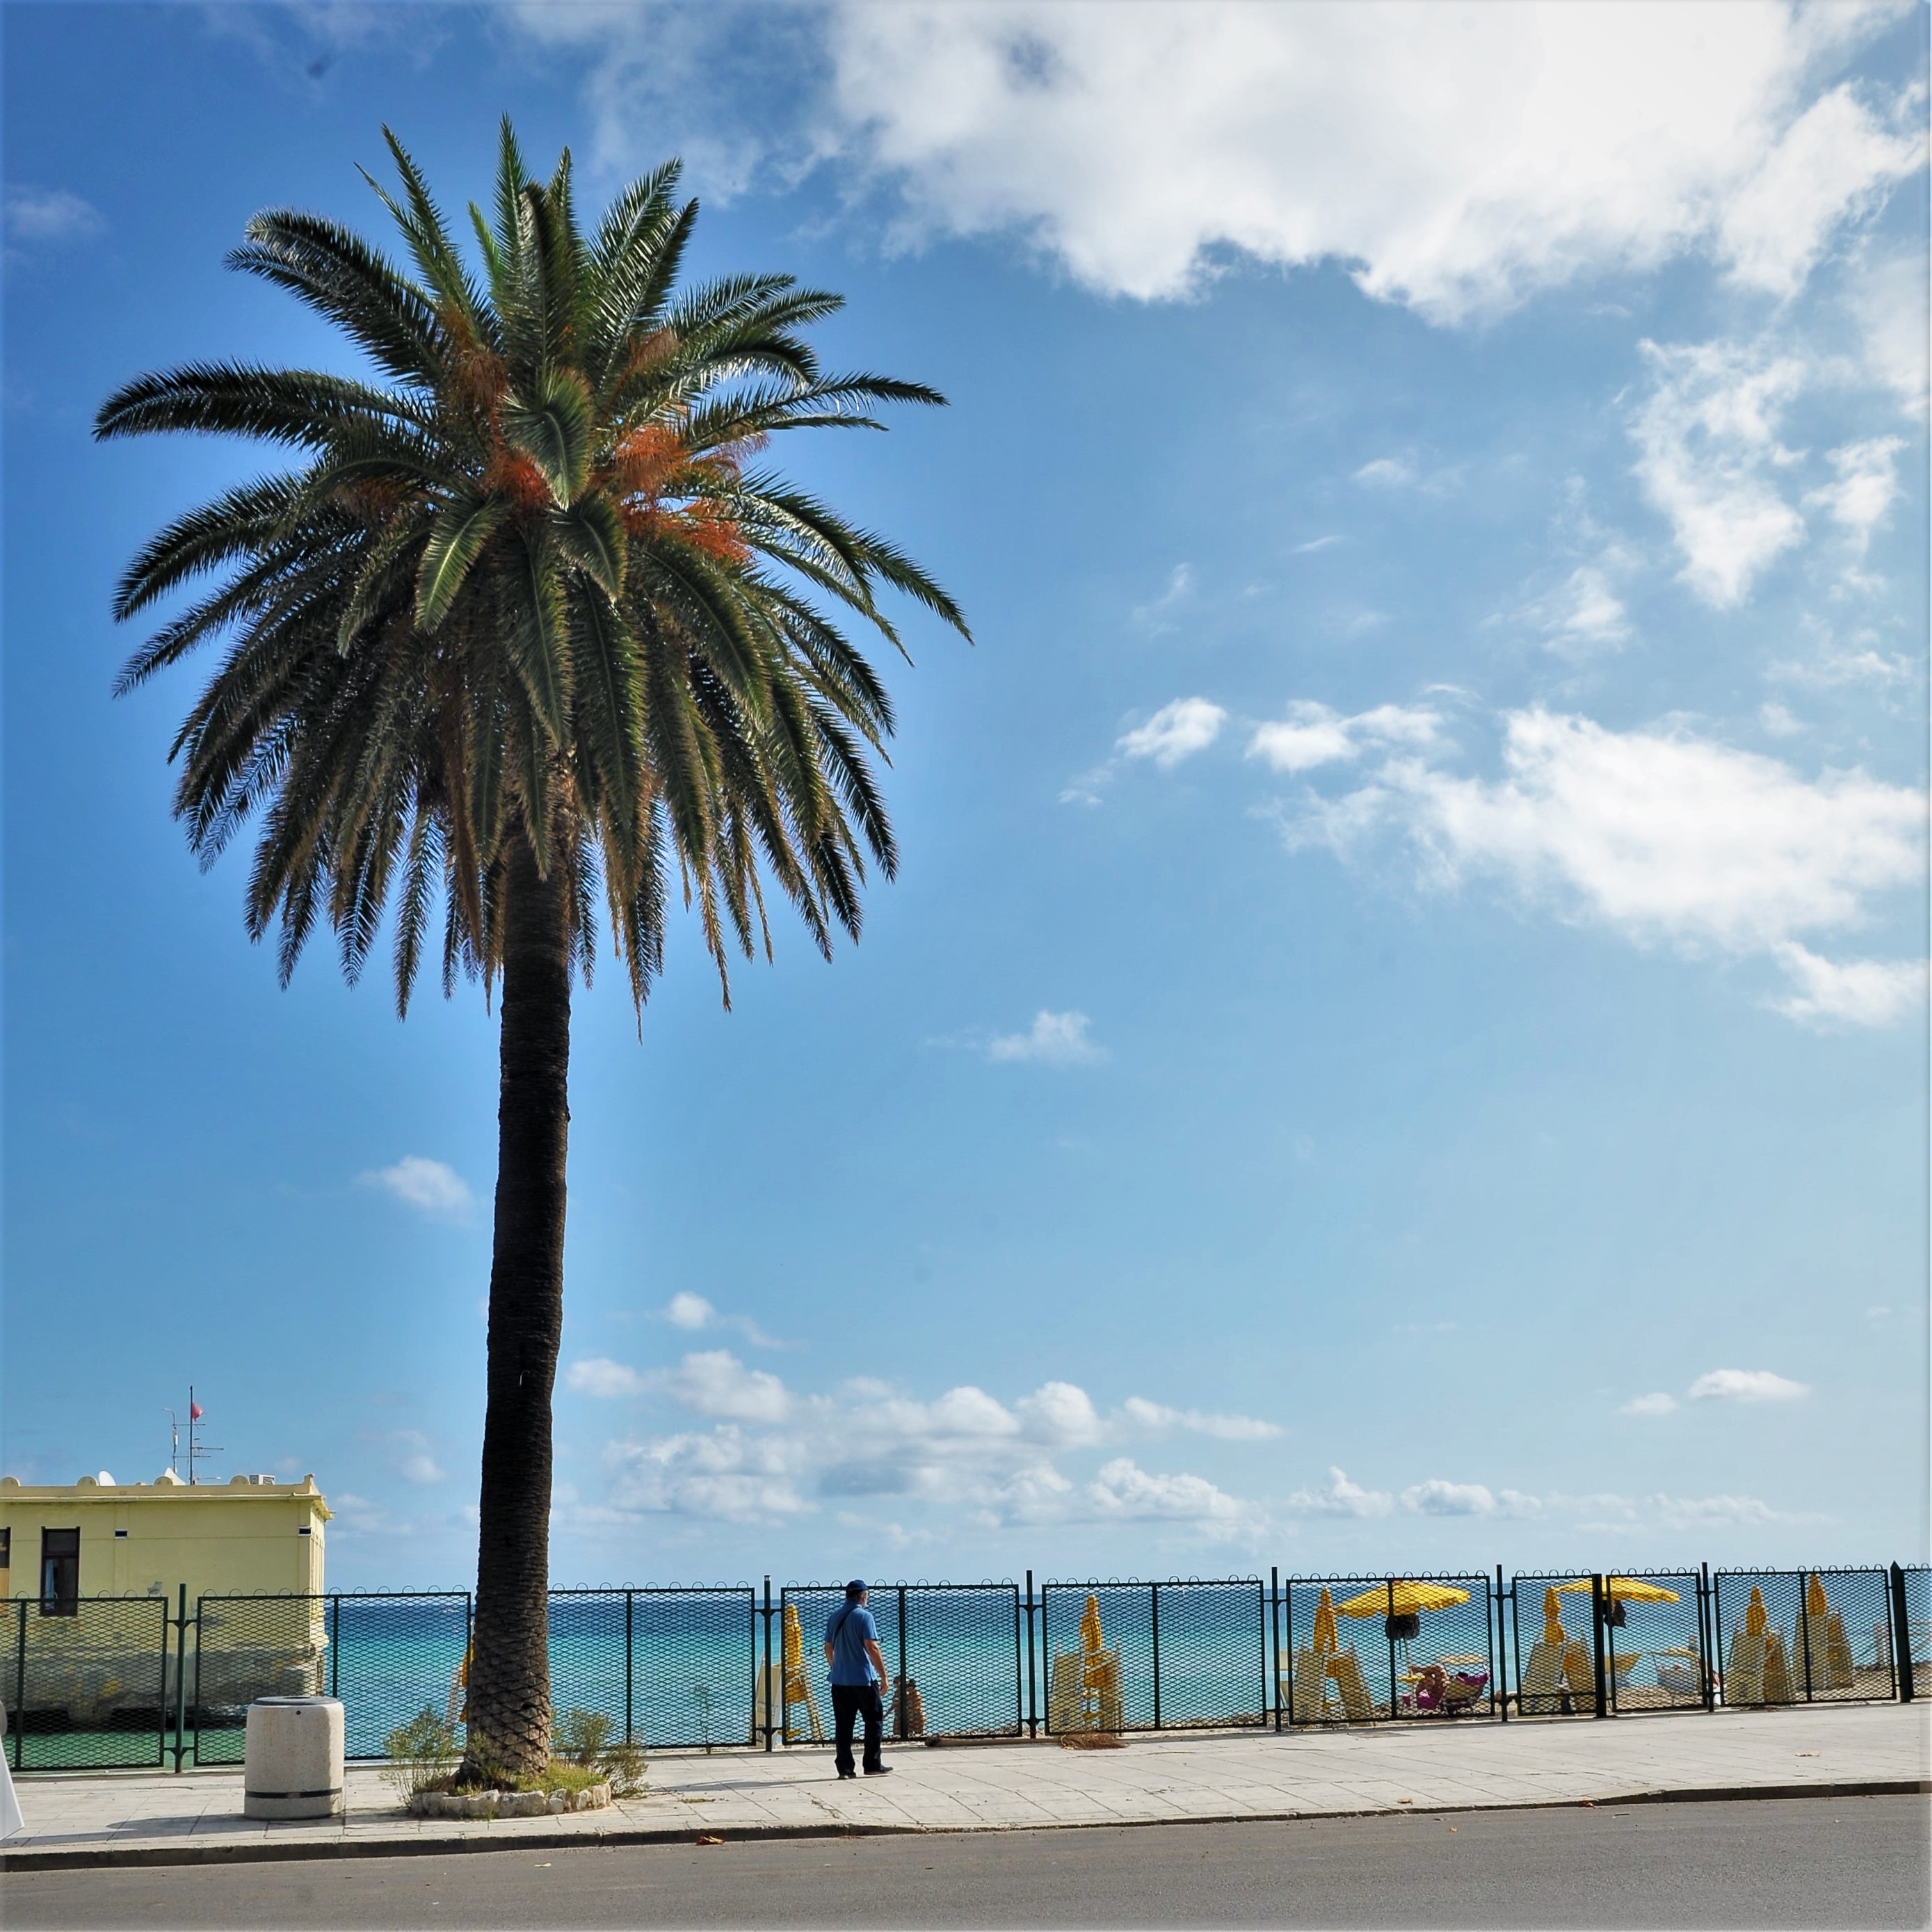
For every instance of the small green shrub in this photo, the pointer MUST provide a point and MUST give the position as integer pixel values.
(587, 1752)
(423, 1755)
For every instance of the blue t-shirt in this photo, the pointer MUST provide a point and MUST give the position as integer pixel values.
(847, 1630)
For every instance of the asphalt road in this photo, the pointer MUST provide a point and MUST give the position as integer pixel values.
(1798, 1862)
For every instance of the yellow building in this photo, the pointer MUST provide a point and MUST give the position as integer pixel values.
(95, 1568)
(251, 1536)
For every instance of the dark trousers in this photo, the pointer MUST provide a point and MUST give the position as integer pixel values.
(851, 1701)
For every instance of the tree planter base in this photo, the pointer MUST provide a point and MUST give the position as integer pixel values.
(508, 1804)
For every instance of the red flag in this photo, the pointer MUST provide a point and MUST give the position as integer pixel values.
(194, 1411)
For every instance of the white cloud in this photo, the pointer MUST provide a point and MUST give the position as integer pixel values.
(1665, 837)
(1456, 158)
(599, 1376)
(1312, 735)
(1708, 457)
(1658, 1404)
(48, 215)
(1061, 1414)
(1340, 1497)
(1157, 1418)
(1437, 1497)
(1176, 731)
(429, 1187)
(714, 1382)
(1836, 161)
(1124, 1491)
(1746, 1385)
(1887, 299)
(1866, 489)
(410, 1452)
(1386, 473)
(1313, 544)
(1777, 720)
(693, 1313)
(965, 1450)
(1851, 992)
(722, 1473)
(1583, 615)
(1158, 615)
(1054, 1039)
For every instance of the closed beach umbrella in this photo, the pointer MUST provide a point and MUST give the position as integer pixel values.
(1402, 1600)
(1629, 1589)
(1553, 1618)
(1090, 1638)
(1325, 1638)
(1816, 1603)
(1755, 1619)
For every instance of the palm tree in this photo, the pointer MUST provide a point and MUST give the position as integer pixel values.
(527, 626)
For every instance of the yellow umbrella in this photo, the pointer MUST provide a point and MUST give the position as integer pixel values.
(1631, 1589)
(1402, 1600)
(1552, 1621)
(1816, 1603)
(1325, 1638)
(1755, 1619)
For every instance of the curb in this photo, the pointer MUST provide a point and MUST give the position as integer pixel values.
(267, 1852)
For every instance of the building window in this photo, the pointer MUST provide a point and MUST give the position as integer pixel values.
(60, 1572)
(6, 1549)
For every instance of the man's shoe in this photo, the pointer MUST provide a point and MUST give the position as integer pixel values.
(879, 1771)
(848, 1773)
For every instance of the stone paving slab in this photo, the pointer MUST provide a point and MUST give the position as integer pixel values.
(151, 1818)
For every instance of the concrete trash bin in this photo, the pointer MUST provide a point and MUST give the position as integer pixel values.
(294, 1758)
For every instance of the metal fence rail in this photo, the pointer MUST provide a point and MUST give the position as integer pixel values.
(89, 1683)
(1805, 1637)
(962, 1647)
(1383, 1664)
(1191, 1653)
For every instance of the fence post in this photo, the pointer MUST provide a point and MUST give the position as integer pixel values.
(1388, 1632)
(1274, 1638)
(765, 1694)
(1707, 1637)
(1601, 1660)
(898, 1690)
(1805, 1632)
(335, 1646)
(1033, 1692)
(629, 1600)
(1901, 1638)
(20, 1683)
(181, 1675)
(1502, 1651)
(1154, 1590)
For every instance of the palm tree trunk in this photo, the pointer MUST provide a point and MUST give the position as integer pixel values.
(509, 1719)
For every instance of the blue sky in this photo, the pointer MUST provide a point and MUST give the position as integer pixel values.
(1400, 1037)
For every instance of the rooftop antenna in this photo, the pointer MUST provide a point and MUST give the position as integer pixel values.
(196, 1450)
(174, 1440)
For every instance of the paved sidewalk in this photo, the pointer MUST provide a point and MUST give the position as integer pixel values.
(147, 1818)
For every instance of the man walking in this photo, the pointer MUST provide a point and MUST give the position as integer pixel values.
(858, 1676)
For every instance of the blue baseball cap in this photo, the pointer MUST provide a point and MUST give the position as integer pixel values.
(857, 1588)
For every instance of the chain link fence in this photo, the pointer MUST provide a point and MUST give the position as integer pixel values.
(670, 1667)
(91, 1682)
(1359, 1650)
(1643, 1637)
(387, 1655)
(1185, 1654)
(956, 1654)
(125, 1682)
(1805, 1637)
